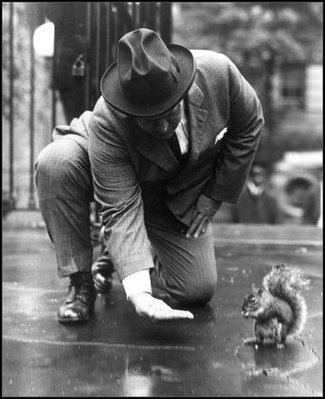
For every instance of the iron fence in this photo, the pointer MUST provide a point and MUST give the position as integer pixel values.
(86, 36)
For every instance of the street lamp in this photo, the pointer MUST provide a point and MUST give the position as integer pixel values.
(43, 40)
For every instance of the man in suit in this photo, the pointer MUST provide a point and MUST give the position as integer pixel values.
(173, 135)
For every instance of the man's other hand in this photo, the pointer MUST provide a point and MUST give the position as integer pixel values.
(155, 309)
(205, 209)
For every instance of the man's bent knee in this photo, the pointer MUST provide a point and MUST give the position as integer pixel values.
(51, 164)
(62, 162)
(197, 293)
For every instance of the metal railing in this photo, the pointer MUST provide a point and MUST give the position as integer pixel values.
(101, 24)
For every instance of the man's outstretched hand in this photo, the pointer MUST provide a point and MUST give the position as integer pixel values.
(155, 309)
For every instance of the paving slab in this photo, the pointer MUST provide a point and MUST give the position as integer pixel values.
(117, 353)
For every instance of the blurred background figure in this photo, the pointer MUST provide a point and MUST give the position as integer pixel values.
(297, 183)
(303, 200)
(257, 203)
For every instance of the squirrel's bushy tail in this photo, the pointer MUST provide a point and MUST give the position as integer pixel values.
(286, 283)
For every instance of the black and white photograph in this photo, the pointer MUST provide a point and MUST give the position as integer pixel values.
(162, 199)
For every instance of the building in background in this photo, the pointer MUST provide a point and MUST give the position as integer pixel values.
(298, 101)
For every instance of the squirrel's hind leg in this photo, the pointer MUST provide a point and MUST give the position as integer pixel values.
(280, 336)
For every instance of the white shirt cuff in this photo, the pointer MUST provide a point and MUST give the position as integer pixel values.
(137, 283)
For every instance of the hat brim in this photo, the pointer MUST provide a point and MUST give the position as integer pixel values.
(113, 95)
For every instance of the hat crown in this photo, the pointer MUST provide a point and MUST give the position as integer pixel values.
(147, 71)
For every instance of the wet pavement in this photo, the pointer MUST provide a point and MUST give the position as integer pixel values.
(118, 353)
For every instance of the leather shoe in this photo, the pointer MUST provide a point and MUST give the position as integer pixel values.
(80, 302)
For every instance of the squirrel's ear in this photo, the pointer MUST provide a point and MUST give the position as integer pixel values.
(254, 289)
(279, 267)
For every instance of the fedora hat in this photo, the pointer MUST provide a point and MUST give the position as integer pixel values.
(149, 77)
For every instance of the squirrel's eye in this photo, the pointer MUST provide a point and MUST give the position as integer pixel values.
(253, 300)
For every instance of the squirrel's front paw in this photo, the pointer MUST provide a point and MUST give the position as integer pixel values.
(280, 347)
(251, 341)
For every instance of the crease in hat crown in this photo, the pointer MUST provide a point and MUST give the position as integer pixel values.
(145, 67)
(149, 77)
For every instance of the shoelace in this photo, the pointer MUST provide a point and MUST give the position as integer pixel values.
(83, 288)
(84, 293)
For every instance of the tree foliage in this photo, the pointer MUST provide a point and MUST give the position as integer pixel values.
(253, 31)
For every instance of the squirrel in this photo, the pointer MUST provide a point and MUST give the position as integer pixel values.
(278, 307)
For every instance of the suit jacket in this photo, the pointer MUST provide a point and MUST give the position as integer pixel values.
(225, 120)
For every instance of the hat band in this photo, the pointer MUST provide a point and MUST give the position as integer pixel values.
(175, 69)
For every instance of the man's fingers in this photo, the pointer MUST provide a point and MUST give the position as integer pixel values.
(170, 314)
(101, 283)
(99, 280)
(157, 310)
(201, 227)
(198, 225)
(195, 223)
(162, 311)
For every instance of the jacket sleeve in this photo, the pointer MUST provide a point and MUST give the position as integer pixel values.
(117, 191)
(239, 144)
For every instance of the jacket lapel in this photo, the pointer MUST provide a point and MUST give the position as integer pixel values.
(158, 152)
(197, 118)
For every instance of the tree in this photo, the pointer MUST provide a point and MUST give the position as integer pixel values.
(248, 30)
(258, 36)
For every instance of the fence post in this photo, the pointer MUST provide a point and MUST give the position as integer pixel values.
(31, 202)
(12, 199)
(53, 99)
(166, 22)
(88, 54)
(152, 9)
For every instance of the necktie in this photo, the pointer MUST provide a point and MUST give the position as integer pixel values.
(174, 145)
